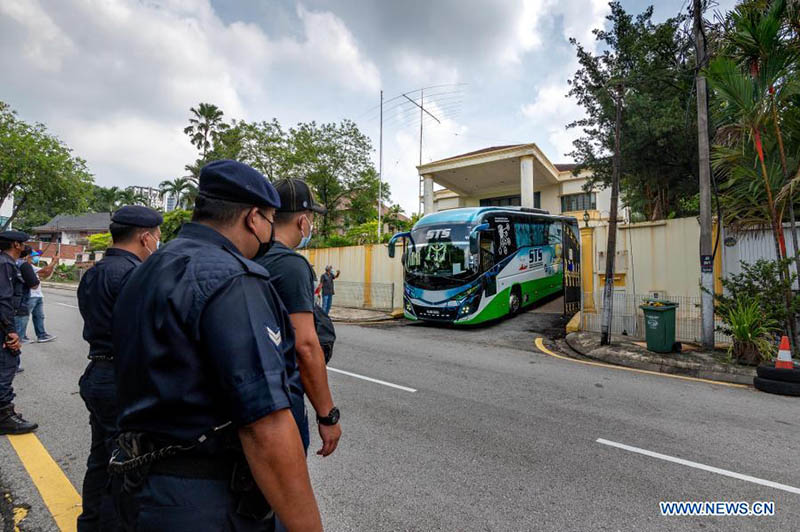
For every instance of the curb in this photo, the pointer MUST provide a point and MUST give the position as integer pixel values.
(60, 286)
(698, 373)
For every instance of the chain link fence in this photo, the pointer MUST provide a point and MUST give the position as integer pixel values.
(628, 318)
(377, 296)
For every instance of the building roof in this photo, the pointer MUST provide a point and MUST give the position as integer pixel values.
(90, 222)
(565, 167)
(482, 150)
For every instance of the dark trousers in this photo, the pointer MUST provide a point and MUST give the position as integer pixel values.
(8, 368)
(301, 418)
(99, 392)
(177, 504)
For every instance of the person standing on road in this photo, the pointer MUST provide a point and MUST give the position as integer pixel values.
(205, 367)
(326, 281)
(293, 279)
(135, 236)
(32, 275)
(12, 243)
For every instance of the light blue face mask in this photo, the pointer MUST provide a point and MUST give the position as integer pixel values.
(306, 239)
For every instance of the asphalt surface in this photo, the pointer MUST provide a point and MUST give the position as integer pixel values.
(497, 436)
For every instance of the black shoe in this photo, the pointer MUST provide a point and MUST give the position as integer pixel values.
(14, 423)
(20, 370)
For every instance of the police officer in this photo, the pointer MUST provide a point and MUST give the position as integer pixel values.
(135, 235)
(12, 243)
(204, 366)
(293, 279)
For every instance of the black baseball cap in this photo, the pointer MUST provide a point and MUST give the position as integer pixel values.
(296, 196)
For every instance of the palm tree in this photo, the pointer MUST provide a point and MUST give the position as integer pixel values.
(174, 188)
(129, 197)
(105, 199)
(207, 121)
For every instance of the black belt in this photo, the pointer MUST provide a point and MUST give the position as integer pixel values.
(194, 466)
(107, 358)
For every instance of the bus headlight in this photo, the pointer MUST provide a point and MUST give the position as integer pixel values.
(471, 305)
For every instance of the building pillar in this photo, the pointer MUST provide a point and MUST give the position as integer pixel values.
(587, 268)
(427, 193)
(526, 180)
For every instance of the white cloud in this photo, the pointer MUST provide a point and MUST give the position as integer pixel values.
(551, 109)
(44, 44)
(527, 33)
(115, 79)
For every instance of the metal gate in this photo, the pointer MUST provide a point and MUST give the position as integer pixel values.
(572, 269)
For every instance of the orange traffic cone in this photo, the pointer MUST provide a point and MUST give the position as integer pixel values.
(784, 360)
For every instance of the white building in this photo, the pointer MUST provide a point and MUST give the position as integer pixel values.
(518, 175)
(151, 195)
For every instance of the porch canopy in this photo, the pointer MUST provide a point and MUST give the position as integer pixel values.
(515, 169)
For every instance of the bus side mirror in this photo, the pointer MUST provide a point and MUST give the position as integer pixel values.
(474, 245)
(394, 240)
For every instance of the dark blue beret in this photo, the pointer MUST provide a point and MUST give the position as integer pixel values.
(138, 216)
(14, 236)
(234, 181)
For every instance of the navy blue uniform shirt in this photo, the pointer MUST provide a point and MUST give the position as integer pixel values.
(11, 290)
(97, 293)
(200, 339)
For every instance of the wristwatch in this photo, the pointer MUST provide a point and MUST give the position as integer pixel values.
(331, 419)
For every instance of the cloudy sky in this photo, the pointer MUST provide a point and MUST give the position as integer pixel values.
(115, 78)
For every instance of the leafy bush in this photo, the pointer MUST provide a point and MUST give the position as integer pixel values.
(99, 242)
(335, 241)
(173, 220)
(65, 274)
(750, 330)
(759, 282)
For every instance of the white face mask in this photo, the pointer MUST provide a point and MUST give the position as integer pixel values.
(306, 238)
(158, 244)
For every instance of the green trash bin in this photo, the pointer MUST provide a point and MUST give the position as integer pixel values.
(659, 325)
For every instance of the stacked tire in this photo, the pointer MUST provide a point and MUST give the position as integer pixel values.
(778, 381)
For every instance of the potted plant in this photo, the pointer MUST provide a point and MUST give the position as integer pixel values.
(750, 330)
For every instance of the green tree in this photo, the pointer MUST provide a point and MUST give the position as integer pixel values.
(205, 127)
(37, 168)
(99, 242)
(264, 146)
(335, 160)
(658, 148)
(176, 188)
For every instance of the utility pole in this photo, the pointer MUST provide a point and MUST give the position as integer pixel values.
(380, 172)
(611, 244)
(706, 256)
(422, 109)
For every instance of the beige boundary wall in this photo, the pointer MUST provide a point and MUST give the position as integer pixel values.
(660, 256)
(362, 264)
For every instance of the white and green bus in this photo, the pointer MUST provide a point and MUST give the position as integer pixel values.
(472, 265)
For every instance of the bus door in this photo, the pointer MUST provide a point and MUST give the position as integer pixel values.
(572, 268)
(487, 262)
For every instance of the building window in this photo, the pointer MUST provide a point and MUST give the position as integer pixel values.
(511, 201)
(584, 201)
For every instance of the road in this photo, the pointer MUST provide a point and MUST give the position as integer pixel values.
(496, 436)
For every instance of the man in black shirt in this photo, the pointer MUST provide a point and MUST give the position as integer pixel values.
(326, 280)
(136, 235)
(294, 279)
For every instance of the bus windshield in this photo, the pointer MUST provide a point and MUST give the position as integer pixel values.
(439, 258)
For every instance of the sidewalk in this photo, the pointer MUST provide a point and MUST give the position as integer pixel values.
(356, 315)
(626, 351)
(60, 286)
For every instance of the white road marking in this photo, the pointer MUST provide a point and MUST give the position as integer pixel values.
(370, 379)
(65, 305)
(725, 472)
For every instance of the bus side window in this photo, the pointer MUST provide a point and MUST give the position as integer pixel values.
(555, 236)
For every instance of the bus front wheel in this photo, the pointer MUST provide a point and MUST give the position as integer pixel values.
(514, 300)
